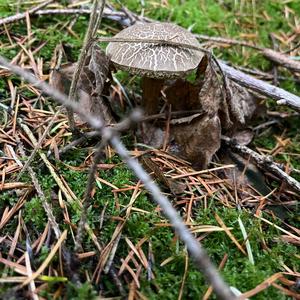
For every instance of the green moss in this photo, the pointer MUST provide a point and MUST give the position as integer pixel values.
(34, 214)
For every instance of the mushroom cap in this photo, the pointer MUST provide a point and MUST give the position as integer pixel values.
(153, 59)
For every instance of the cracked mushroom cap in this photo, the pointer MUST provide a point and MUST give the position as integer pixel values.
(153, 59)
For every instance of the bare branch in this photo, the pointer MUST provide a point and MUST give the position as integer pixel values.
(95, 20)
(41, 194)
(265, 162)
(282, 96)
(20, 16)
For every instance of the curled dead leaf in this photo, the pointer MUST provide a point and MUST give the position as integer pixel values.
(242, 104)
(243, 137)
(92, 83)
(198, 140)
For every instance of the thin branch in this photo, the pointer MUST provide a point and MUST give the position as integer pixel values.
(282, 96)
(121, 127)
(94, 121)
(195, 249)
(87, 195)
(95, 20)
(20, 16)
(227, 41)
(264, 162)
(41, 194)
(82, 139)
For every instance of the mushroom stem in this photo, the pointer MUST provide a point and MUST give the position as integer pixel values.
(151, 93)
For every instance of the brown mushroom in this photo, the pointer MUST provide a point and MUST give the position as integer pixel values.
(155, 62)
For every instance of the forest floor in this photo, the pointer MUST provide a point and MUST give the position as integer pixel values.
(148, 258)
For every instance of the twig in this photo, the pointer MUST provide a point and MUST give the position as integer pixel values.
(265, 162)
(227, 41)
(95, 122)
(41, 194)
(200, 256)
(95, 20)
(87, 195)
(82, 139)
(153, 41)
(92, 134)
(109, 13)
(266, 76)
(20, 16)
(282, 96)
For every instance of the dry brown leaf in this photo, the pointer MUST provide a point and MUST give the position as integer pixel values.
(198, 140)
(234, 104)
(242, 104)
(243, 137)
(92, 83)
(211, 95)
(197, 137)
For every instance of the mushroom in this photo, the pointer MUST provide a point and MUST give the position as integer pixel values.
(155, 62)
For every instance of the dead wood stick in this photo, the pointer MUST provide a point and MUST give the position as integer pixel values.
(263, 75)
(95, 20)
(264, 161)
(282, 59)
(282, 96)
(227, 41)
(279, 58)
(47, 207)
(20, 16)
(88, 135)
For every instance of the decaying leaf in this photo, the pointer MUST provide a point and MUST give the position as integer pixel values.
(198, 140)
(92, 83)
(93, 77)
(211, 95)
(242, 104)
(61, 80)
(197, 137)
(243, 137)
(151, 135)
